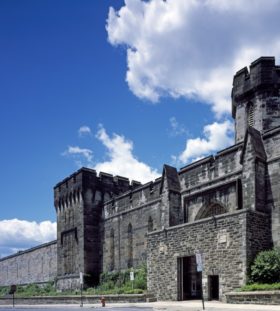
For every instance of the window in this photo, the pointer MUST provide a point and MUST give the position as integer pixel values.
(250, 114)
(210, 211)
(129, 247)
(150, 224)
(112, 250)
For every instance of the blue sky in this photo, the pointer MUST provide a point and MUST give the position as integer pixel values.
(106, 82)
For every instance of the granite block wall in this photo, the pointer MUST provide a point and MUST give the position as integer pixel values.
(224, 242)
(36, 265)
(123, 249)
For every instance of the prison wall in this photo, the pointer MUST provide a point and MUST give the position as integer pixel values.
(127, 220)
(35, 265)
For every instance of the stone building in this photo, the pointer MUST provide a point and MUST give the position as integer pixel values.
(224, 207)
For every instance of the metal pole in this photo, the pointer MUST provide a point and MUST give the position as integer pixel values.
(13, 300)
(81, 295)
(202, 298)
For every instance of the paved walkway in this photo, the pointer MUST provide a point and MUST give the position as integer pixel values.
(156, 306)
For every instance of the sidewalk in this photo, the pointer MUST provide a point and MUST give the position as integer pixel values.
(162, 306)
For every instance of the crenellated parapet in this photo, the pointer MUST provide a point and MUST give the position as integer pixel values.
(255, 97)
(72, 189)
(263, 74)
(137, 196)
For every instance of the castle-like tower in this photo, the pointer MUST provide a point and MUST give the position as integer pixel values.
(79, 203)
(255, 97)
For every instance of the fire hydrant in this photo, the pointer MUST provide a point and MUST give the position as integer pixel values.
(102, 299)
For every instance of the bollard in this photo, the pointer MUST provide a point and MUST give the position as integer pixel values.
(102, 299)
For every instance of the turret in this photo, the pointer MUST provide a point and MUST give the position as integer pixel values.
(78, 201)
(256, 97)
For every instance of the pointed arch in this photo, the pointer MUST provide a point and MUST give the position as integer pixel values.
(210, 210)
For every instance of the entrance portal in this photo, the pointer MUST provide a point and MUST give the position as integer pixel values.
(189, 279)
(213, 285)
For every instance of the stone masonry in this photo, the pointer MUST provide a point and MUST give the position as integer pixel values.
(223, 209)
(36, 265)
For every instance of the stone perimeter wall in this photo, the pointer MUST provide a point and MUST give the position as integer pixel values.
(36, 265)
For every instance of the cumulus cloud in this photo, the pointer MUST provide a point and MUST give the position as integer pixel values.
(121, 160)
(216, 136)
(83, 156)
(84, 130)
(192, 48)
(18, 234)
(177, 129)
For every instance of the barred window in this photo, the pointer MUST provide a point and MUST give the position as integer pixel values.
(210, 211)
(250, 115)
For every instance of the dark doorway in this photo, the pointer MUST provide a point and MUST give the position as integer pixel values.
(189, 280)
(213, 283)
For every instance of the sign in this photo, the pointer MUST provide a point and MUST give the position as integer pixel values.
(131, 276)
(13, 289)
(81, 278)
(199, 265)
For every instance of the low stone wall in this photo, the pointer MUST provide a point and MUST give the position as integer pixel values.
(259, 297)
(73, 299)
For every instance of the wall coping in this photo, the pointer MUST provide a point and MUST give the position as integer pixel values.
(254, 293)
(129, 210)
(200, 221)
(19, 253)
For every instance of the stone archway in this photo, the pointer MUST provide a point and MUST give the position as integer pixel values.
(210, 210)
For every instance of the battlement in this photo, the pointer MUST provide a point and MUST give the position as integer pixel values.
(263, 74)
(223, 165)
(142, 195)
(72, 187)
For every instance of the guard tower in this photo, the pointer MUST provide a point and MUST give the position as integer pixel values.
(255, 97)
(78, 201)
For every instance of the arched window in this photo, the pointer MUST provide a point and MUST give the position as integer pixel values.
(129, 247)
(210, 211)
(112, 250)
(150, 224)
(250, 114)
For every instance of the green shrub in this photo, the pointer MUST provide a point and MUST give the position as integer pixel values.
(259, 287)
(119, 282)
(266, 267)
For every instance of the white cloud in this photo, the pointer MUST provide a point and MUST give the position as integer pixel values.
(177, 129)
(84, 130)
(216, 136)
(83, 156)
(121, 160)
(192, 48)
(18, 234)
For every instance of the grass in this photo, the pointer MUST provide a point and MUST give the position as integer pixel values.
(259, 287)
(119, 282)
(110, 283)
